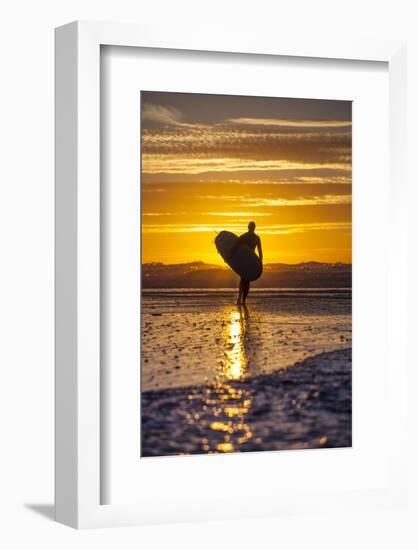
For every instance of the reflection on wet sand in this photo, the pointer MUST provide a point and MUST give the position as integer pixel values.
(228, 398)
(220, 379)
(234, 365)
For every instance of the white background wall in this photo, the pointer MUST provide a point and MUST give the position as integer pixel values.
(26, 273)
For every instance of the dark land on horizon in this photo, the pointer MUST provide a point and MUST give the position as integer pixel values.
(275, 275)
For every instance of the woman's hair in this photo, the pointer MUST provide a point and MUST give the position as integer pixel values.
(251, 226)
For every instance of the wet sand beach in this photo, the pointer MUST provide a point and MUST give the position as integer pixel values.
(221, 378)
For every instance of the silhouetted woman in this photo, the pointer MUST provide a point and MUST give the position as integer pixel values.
(252, 241)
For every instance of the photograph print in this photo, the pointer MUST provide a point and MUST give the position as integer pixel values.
(246, 275)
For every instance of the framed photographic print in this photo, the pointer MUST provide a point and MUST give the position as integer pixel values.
(225, 331)
(246, 341)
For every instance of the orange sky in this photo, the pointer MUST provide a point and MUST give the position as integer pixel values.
(217, 162)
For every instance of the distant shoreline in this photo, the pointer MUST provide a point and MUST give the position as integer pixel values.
(198, 263)
(278, 275)
(256, 290)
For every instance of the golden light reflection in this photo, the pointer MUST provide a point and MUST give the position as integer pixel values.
(224, 406)
(231, 400)
(235, 364)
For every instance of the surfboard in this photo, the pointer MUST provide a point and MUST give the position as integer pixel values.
(244, 262)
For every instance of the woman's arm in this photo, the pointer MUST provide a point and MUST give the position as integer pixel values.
(260, 249)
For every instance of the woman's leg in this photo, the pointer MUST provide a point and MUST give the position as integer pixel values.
(245, 290)
(239, 298)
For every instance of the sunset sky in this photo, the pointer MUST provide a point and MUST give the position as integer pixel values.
(217, 162)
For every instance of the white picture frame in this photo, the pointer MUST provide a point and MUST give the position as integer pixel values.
(78, 298)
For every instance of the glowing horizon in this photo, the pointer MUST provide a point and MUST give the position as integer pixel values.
(217, 162)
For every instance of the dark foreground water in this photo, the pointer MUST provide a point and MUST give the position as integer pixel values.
(217, 378)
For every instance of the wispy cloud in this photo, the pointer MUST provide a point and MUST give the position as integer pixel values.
(237, 214)
(157, 214)
(293, 180)
(160, 164)
(160, 114)
(315, 200)
(280, 229)
(320, 200)
(221, 214)
(191, 139)
(290, 123)
(343, 180)
(183, 148)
